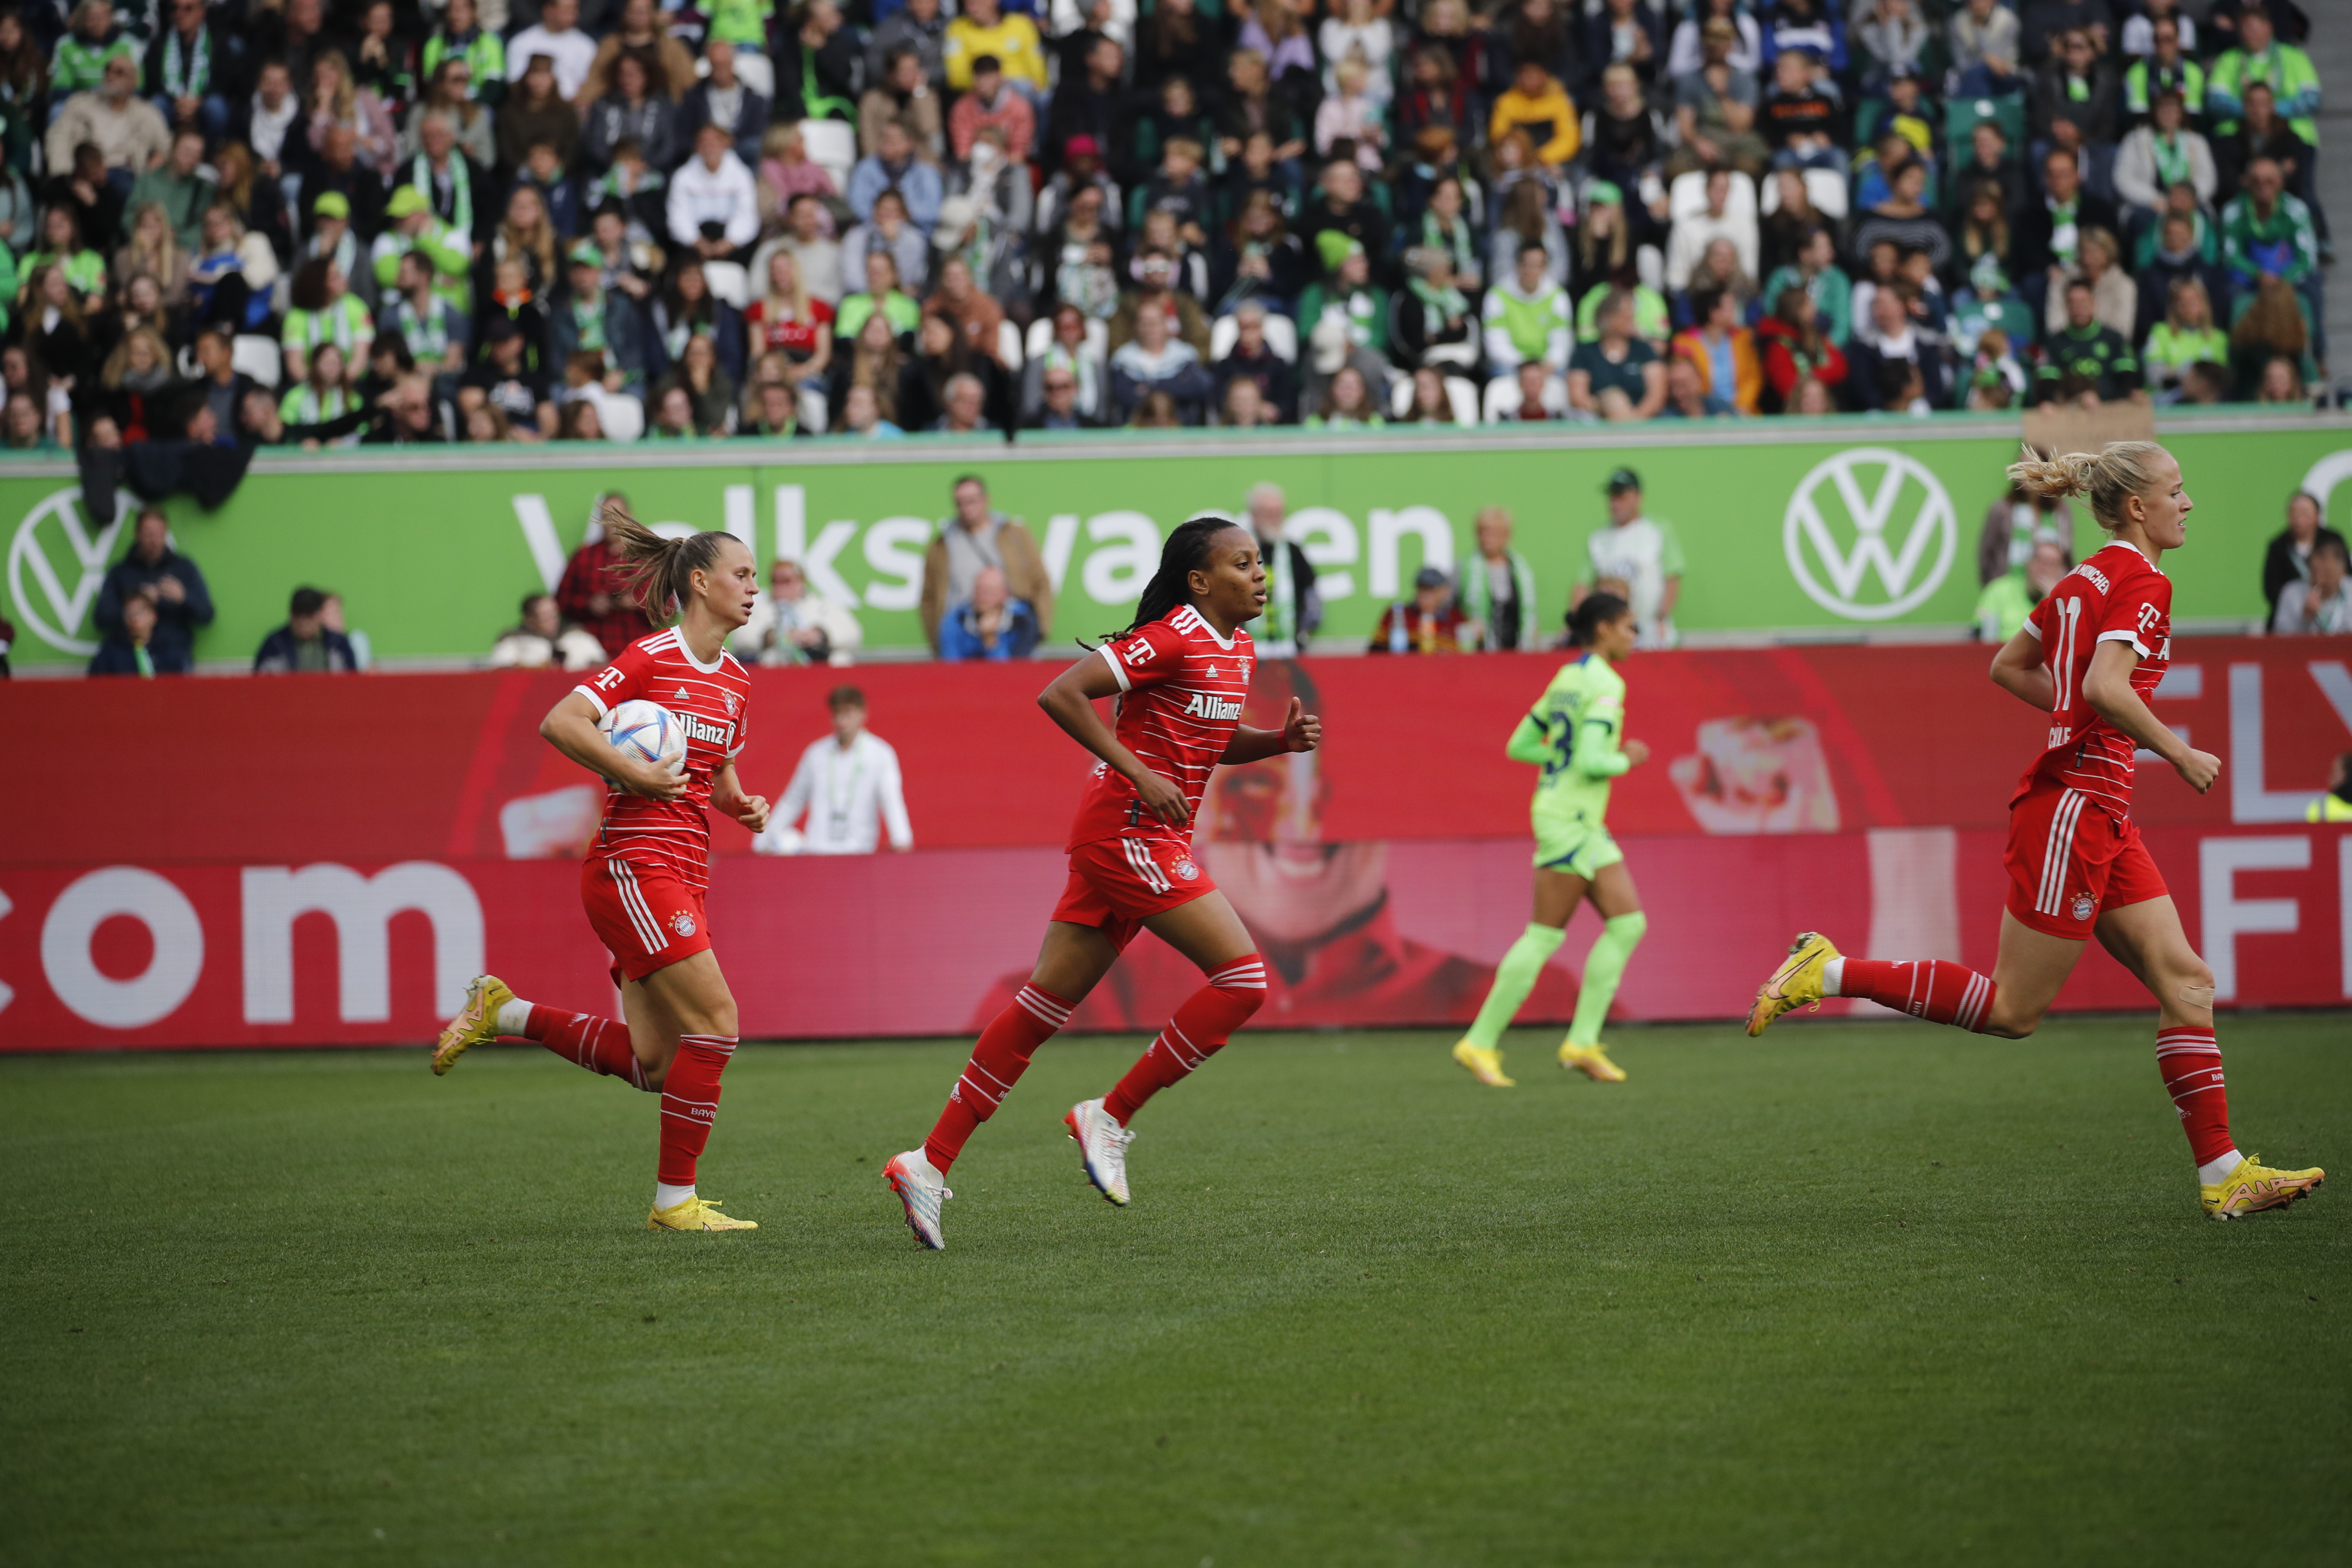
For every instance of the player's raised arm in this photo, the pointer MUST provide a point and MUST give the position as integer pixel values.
(1070, 701)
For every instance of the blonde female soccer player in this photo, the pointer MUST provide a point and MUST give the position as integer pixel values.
(649, 865)
(2090, 657)
(1576, 734)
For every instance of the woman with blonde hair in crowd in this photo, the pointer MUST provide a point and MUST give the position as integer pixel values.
(525, 234)
(1526, 219)
(874, 361)
(153, 248)
(336, 99)
(785, 172)
(136, 375)
(2186, 336)
(790, 325)
(2115, 298)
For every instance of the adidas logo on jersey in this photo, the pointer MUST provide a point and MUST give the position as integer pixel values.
(1203, 706)
(684, 695)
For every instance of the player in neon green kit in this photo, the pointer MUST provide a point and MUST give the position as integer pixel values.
(1576, 732)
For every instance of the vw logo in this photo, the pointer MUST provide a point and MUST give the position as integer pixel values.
(1836, 533)
(33, 556)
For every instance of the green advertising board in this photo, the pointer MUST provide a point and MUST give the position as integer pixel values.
(1853, 524)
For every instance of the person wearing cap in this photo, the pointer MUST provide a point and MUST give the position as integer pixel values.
(1346, 294)
(985, 27)
(1429, 622)
(714, 208)
(1639, 552)
(412, 227)
(588, 318)
(991, 102)
(1715, 109)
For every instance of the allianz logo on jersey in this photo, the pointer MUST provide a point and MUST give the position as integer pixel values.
(1869, 534)
(701, 728)
(1205, 706)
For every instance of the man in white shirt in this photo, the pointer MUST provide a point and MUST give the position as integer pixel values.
(2320, 605)
(713, 206)
(558, 37)
(1641, 552)
(843, 783)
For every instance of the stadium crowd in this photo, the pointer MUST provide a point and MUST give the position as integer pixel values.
(291, 222)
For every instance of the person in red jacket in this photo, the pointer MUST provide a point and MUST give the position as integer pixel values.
(1796, 350)
(593, 591)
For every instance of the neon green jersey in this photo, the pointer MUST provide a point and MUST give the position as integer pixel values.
(1573, 731)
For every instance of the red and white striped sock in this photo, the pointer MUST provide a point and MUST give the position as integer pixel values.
(690, 1104)
(600, 1044)
(1198, 1031)
(1929, 988)
(998, 1060)
(2191, 1061)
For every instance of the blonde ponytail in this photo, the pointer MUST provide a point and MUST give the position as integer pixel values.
(2110, 477)
(660, 572)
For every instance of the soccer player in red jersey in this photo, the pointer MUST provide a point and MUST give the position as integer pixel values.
(2090, 657)
(646, 872)
(1180, 674)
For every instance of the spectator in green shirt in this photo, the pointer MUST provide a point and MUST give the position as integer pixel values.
(2186, 336)
(2009, 598)
(2260, 56)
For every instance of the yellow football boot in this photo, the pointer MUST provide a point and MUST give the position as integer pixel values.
(476, 1023)
(2252, 1188)
(1485, 1065)
(697, 1214)
(1795, 983)
(1592, 1061)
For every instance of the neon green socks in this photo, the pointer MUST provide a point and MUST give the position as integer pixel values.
(1604, 966)
(1514, 978)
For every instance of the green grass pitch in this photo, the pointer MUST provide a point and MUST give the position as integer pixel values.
(1860, 1293)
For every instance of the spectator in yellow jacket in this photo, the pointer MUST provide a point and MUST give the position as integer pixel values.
(1537, 104)
(1722, 350)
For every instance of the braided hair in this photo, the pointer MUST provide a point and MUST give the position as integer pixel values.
(660, 572)
(1185, 552)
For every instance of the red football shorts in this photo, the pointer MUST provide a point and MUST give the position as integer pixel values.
(645, 914)
(2069, 861)
(1117, 884)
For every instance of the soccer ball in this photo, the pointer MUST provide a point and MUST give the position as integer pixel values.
(648, 732)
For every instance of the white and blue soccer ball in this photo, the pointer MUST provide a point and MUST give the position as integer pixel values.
(648, 732)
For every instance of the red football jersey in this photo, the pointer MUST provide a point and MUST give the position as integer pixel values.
(2115, 595)
(713, 702)
(1181, 688)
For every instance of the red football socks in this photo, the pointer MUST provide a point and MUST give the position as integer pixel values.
(690, 1104)
(600, 1044)
(1200, 1028)
(998, 1060)
(2191, 1061)
(1927, 988)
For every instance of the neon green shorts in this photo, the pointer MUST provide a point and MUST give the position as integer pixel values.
(1578, 850)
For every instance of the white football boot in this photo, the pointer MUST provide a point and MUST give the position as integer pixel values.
(1102, 1147)
(922, 1192)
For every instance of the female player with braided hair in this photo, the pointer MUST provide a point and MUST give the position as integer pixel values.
(2090, 657)
(1576, 732)
(1179, 675)
(646, 872)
